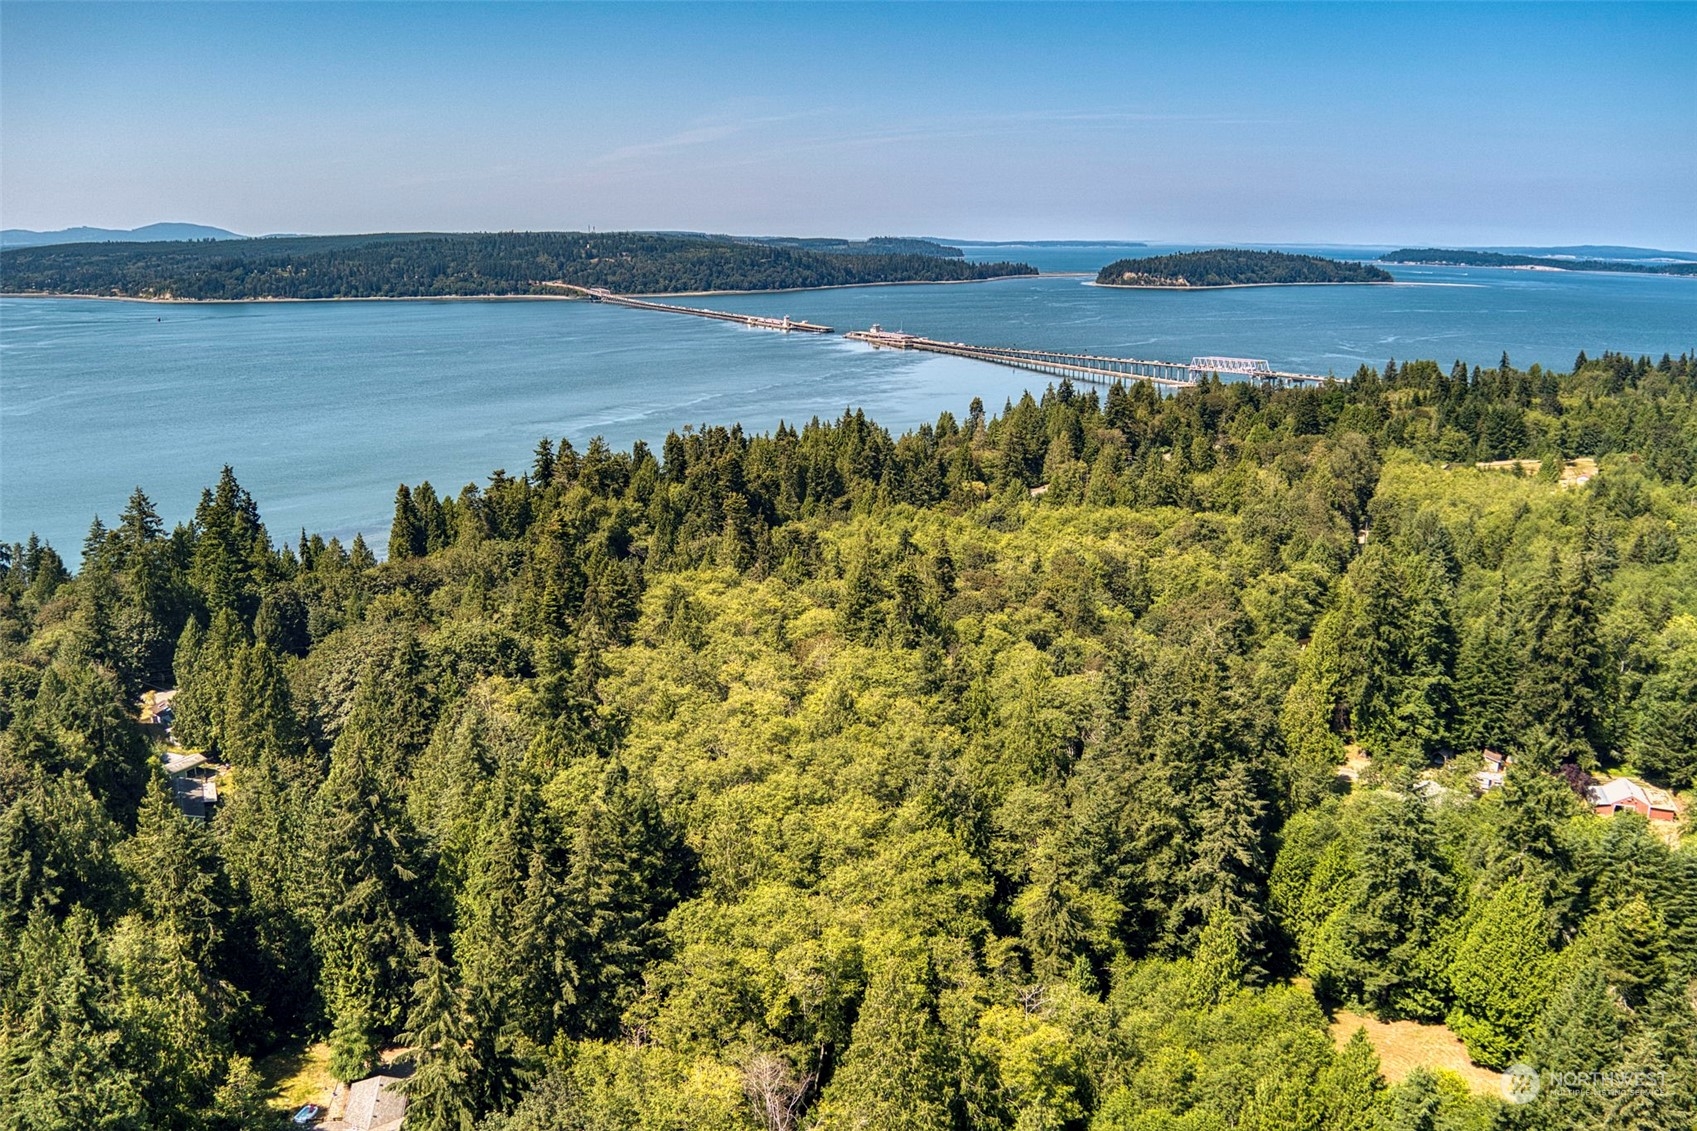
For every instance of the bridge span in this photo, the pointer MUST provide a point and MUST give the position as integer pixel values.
(1090, 368)
(786, 323)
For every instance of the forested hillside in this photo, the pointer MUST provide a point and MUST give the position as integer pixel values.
(1454, 256)
(981, 777)
(1235, 267)
(877, 245)
(426, 265)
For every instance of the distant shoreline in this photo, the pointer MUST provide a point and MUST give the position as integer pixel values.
(1240, 286)
(532, 298)
(834, 286)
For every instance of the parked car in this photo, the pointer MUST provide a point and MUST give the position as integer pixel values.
(308, 1115)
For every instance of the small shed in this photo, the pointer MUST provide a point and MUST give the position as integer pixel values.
(375, 1103)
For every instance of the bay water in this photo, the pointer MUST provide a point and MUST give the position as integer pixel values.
(323, 407)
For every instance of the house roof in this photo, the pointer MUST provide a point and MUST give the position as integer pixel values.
(156, 703)
(375, 1104)
(182, 763)
(1621, 791)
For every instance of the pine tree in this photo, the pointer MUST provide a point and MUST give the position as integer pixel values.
(406, 531)
(1664, 715)
(204, 687)
(65, 1066)
(627, 871)
(432, 519)
(1389, 930)
(1349, 1088)
(368, 879)
(439, 1092)
(360, 556)
(229, 549)
(264, 829)
(258, 714)
(1633, 947)
(1563, 677)
(1315, 714)
(178, 876)
(542, 468)
(1217, 966)
(1634, 1103)
(1500, 975)
(139, 525)
(1227, 879)
(896, 1075)
(1485, 681)
(1053, 920)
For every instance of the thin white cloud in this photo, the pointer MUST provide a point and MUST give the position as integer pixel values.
(707, 133)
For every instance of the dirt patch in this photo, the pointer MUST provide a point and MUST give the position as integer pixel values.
(1574, 472)
(1404, 1046)
(1355, 763)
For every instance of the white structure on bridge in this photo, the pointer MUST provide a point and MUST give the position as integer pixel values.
(1232, 366)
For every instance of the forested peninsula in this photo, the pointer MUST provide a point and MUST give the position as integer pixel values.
(1229, 267)
(1076, 765)
(430, 265)
(1453, 257)
(877, 245)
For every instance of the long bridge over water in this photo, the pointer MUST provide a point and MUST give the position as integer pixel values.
(1092, 369)
(786, 323)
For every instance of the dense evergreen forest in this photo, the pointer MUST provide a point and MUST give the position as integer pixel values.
(425, 265)
(1233, 267)
(1454, 257)
(981, 777)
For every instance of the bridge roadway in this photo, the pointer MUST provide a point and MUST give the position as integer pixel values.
(786, 323)
(1089, 368)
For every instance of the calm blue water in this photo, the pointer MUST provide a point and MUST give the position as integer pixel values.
(322, 408)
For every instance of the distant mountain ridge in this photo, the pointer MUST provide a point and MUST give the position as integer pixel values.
(151, 233)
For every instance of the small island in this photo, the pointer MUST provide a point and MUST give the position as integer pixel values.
(475, 265)
(1460, 257)
(1234, 267)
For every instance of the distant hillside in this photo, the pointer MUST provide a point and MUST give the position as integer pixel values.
(1231, 267)
(1050, 243)
(24, 237)
(1598, 251)
(426, 264)
(1459, 257)
(877, 245)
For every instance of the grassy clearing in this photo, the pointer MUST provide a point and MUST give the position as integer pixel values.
(1404, 1046)
(298, 1077)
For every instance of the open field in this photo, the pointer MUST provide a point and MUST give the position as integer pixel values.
(1404, 1046)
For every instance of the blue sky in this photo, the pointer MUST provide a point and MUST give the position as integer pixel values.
(1380, 123)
